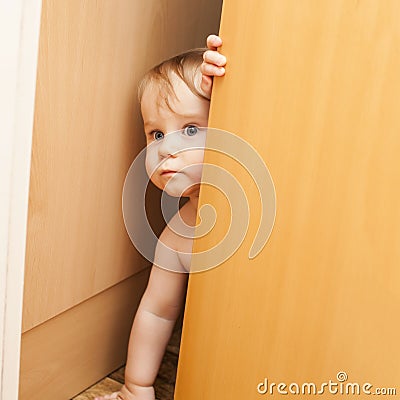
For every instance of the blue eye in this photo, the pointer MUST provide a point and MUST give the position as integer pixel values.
(191, 130)
(158, 135)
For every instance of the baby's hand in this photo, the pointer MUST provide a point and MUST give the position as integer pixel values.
(138, 393)
(213, 64)
(108, 397)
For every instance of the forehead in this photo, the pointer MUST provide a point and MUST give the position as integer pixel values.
(154, 108)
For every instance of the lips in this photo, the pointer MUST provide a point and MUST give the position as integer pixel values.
(168, 171)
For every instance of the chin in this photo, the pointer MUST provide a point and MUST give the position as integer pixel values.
(179, 192)
(173, 193)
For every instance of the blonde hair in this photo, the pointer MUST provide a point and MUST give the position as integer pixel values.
(185, 65)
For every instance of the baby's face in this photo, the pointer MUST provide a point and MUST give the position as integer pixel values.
(171, 136)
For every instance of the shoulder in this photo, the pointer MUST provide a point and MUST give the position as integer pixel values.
(184, 218)
(174, 245)
(166, 253)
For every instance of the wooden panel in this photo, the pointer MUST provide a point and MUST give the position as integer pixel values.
(79, 347)
(87, 132)
(314, 86)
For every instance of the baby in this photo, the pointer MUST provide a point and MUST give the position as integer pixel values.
(174, 96)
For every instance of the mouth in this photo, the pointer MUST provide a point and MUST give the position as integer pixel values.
(168, 172)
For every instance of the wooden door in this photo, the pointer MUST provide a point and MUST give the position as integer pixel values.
(84, 278)
(314, 86)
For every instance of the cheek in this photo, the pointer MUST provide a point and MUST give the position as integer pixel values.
(198, 160)
(151, 163)
(194, 157)
(194, 163)
(197, 171)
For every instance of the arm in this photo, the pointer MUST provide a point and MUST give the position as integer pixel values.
(154, 321)
(152, 328)
(213, 64)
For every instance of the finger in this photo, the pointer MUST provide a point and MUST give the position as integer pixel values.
(108, 396)
(213, 57)
(212, 70)
(213, 42)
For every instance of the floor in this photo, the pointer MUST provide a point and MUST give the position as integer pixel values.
(164, 385)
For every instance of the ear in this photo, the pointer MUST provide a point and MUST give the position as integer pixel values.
(206, 85)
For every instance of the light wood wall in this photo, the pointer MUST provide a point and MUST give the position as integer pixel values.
(314, 86)
(87, 132)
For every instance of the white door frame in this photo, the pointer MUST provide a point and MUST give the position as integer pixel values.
(19, 42)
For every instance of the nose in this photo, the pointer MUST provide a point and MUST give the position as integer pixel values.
(170, 144)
